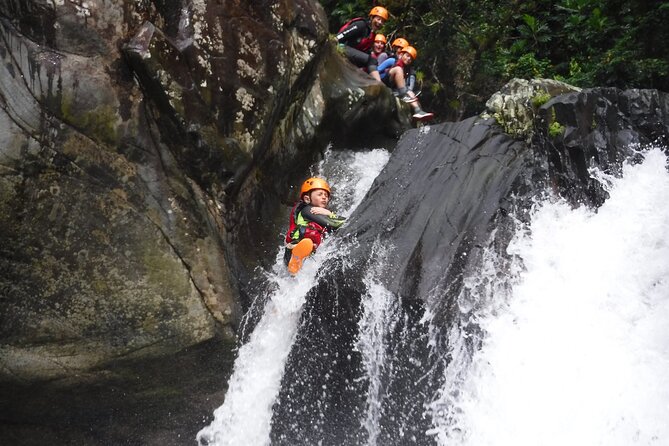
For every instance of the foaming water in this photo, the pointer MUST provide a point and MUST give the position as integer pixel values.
(380, 313)
(246, 414)
(577, 351)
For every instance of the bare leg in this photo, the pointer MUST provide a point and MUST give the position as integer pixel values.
(397, 76)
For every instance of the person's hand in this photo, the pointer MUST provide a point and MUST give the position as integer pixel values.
(320, 211)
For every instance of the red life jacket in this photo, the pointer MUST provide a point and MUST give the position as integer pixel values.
(365, 44)
(312, 230)
(345, 25)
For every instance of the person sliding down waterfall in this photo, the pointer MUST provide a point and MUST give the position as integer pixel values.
(310, 220)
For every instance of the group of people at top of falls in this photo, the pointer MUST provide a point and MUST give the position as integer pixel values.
(368, 49)
(310, 219)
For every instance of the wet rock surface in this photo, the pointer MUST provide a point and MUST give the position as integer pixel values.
(142, 145)
(148, 157)
(148, 151)
(422, 227)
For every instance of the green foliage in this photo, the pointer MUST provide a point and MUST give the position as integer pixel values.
(420, 76)
(341, 12)
(469, 49)
(555, 129)
(540, 99)
(528, 66)
(533, 32)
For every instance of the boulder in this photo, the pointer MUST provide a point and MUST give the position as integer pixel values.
(450, 194)
(514, 107)
(142, 146)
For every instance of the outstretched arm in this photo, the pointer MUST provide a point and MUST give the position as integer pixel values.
(323, 217)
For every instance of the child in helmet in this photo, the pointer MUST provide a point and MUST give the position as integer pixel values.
(310, 220)
(397, 45)
(357, 38)
(387, 63)
(379, 49)
(397, 79)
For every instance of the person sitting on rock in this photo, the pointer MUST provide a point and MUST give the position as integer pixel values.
(397, 45)
(310, 220)
(379, 50)
(357, 38)
(386, 64)
(399, 76)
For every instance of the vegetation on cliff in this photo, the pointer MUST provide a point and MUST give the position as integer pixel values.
(468, 50)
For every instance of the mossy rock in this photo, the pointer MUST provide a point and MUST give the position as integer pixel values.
(515, 106)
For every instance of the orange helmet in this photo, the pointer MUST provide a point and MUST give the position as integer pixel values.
(400, 42)
(411, 50)
(380, 11)
(380, 38)
(314, 183)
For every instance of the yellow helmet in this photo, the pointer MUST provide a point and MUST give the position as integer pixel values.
(380, 38)
(411, 50)
(400, 42)
(314, 183)
(380, 11)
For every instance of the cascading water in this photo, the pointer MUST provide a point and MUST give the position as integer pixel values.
(246, 415)
(380, 313)
(574, 345)
(561, 341)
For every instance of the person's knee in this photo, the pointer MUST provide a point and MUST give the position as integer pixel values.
(372, 64)
(396, 74)
(356, 57)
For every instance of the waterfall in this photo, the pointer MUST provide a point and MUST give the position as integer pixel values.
(245, 416)
(380, 314)
(574, 341)
(560, 340)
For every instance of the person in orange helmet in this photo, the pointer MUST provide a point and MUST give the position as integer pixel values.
(310, 220)
(357, 38)
(398, 44)
(397, 80)
(389, 61)
(379, 49)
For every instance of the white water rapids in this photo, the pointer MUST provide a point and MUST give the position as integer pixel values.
(577, 352)
(245, 417)
(572, 346)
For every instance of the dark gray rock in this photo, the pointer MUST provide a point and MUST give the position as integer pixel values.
(597, 128)
(420, 230)
(146, 149)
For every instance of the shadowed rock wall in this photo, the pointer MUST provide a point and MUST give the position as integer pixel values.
(142, 145)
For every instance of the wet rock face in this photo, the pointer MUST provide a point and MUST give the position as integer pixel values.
(449, 182)
(422, 228)
(220, 78)
(597, 128)
(107, 248)
(139, 142)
